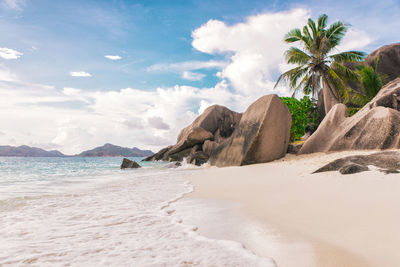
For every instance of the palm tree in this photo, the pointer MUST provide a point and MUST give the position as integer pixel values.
(318, 67)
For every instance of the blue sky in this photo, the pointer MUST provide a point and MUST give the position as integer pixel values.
(169, 60)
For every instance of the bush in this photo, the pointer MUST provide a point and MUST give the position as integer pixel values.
(304, 114)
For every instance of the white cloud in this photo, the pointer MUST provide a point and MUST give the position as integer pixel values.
(113, 57)
(355, 40)
(71, 91)
(188, 65)
(134, 123)
(80, 74)
(158, 123)
(6, 75)
(193, 76)
(255, 47)
(8, 53)
(75, 94)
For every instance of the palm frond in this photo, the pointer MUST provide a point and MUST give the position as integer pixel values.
(335, 33)
(344, 72)
(295, 76)
(371, 81)
(291, 76)
(359, 99)
(296, 56)
(285, 76)
(313, 28)
(303, 81)
(322, 23)
(336, 83)
(307, 38)
(376, 61)
(293, 35)
(308, 87)
(349, 56)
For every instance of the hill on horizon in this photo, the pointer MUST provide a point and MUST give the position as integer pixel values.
(107, 150)
(110, 150)
(27, 151)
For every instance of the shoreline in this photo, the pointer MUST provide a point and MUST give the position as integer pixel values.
(338, 220)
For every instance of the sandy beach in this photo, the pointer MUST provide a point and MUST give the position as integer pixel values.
(324, 219)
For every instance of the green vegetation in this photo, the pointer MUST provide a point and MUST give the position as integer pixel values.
(317, 65)
(304, 113)
(368, 85)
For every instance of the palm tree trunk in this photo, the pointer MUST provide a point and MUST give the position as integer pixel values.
(321, 105)
(329, 97)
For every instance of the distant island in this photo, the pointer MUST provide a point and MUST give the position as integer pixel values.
(27, 151)
(107, 150)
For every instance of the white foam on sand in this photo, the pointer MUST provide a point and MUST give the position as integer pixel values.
(125, 222)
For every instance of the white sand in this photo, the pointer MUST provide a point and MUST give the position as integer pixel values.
(324, 219)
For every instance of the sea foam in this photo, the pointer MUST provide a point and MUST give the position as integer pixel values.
(123, 220)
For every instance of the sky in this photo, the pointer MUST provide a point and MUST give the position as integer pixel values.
(77, 74)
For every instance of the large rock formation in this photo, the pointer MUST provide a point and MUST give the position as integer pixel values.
(376, 126)
(218, 120)
(215, 125)
(388, 162)
(228, 138)
(388, 60)
(261, 136)
(194, 136)
(159, 155)
(209, 146)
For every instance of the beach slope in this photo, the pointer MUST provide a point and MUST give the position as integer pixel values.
(347, 220)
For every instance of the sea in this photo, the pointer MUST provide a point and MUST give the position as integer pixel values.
(72, 211)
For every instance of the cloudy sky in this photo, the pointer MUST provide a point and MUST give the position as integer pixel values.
(77, 74)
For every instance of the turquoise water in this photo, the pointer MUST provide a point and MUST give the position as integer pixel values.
(28, 176)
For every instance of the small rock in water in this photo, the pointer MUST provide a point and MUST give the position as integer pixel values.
(128, 164)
